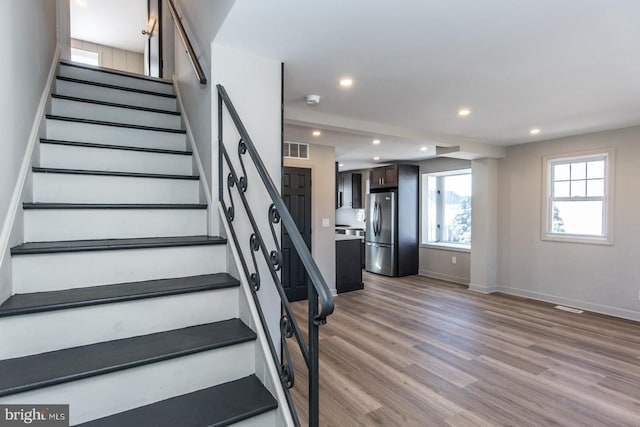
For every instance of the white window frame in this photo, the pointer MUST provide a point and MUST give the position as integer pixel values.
(608, 199)
(463, 247)
(86, 53)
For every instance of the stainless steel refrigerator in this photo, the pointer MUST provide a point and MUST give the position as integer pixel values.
(381, 243)
(392, 221)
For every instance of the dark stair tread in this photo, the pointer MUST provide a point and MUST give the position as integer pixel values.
(116, 87)
(114, 104)
(114, 124)
(116, 72)
(81, 297)
(114, 244)
(29, 205)
(115, 173)
(56, 367)
(114, 147)
(217, 406)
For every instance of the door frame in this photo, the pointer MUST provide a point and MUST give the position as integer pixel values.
(157, 32)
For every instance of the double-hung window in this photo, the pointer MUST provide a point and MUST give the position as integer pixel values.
(578, 198)
(446, 208)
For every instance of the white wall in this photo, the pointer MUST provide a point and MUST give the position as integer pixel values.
(437, 262)
(595, 277)
(202, 20)
(323, 248)
(23, 76)
(112, 57)
(484, 218)
(253, 84)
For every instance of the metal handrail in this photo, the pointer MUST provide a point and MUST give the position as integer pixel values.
(317, 287)
(324, 294)
(197, 68)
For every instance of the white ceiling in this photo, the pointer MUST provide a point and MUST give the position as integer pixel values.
(116, 23)
(567, 67)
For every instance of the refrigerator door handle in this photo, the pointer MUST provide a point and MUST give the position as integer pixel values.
(375, 221)
(375, 218)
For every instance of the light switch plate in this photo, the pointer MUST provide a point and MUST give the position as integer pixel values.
(326, 222)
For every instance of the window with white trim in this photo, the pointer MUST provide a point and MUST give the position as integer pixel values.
(578, 205)
(85, 56)
(446, 208)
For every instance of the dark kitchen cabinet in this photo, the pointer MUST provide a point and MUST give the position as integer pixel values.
(348, 267)
(349, 190)
(383, 177)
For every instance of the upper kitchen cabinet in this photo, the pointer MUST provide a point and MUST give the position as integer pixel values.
(383, 177)
(349, 190)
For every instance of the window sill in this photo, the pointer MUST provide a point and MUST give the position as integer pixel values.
(447, 247)
(577, 239)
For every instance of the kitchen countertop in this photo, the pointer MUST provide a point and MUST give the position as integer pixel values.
(347, 237)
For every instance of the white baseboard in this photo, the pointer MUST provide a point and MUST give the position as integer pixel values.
(25, 168)
(584, 305)
(212, 225)
(441, 276)
(485, 289)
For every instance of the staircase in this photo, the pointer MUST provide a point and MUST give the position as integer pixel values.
(122, 307)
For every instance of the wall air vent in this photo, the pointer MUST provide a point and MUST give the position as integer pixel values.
(296, 150)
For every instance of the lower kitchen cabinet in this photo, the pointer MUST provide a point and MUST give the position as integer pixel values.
(348, 265)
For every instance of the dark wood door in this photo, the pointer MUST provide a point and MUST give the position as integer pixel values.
(154, 40)
(296, 192)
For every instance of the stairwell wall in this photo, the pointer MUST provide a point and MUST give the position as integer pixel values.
(202, 19)
(254, 86)
(28, 55)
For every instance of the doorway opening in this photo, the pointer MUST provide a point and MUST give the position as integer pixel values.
(124, 35)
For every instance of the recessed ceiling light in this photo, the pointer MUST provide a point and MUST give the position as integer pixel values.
(534, 131)
(376, 141)
(376, 158)
(463, 112)
(424, 148)
(346, 82)
(341, 164)
(316, 133)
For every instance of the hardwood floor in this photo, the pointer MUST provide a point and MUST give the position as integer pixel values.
(420, 352)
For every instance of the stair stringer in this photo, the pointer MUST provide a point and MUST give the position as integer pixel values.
(12, 231)
(265, 368)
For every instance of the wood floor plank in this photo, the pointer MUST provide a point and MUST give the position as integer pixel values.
(415, 351)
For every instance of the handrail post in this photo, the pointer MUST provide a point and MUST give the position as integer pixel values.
(314, 360)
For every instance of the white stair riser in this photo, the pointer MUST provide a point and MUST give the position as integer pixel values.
(102, 134)
(112, 321)
(69, 188)
(44, 225)
(120, 391)
(56, 271)
(86, 110)
(105, 159)
(81, 90)
(114, 79)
